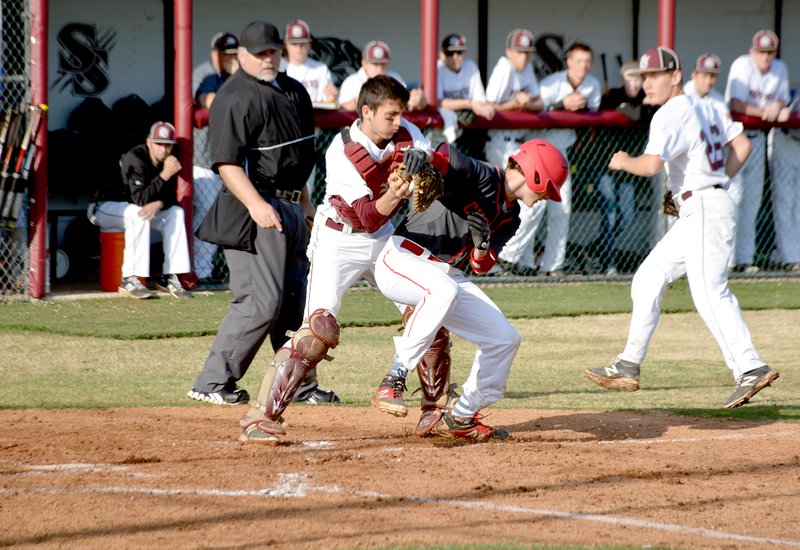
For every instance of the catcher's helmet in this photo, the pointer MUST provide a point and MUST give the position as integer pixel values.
(544, 167)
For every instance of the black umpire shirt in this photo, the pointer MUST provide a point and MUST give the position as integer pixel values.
(248, 114)
(142, 181)
(469, 185)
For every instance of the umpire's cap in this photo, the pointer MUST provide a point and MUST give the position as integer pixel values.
(259, 36)
(544, 167)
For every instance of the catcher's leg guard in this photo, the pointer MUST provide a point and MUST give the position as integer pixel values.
(434, 381)
(289, 366)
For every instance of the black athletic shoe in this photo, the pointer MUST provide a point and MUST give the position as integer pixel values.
(314, 395)
(231, 395)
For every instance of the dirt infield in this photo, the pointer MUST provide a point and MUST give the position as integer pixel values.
(351, 477)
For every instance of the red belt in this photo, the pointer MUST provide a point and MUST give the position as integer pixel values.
(336, 226)
(417, 250)
(685, 196)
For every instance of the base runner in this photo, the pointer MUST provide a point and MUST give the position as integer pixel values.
(478, 213)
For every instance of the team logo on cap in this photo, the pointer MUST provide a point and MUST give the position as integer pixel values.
(765, 41)
(163, 133)
(378, 52)
(297, 32)
(524, 41)
(644, 62)
(709, 63)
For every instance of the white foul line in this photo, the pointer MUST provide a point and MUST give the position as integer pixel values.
(297, 485)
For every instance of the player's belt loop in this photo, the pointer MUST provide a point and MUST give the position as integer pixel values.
(685, 196)
(336, 226)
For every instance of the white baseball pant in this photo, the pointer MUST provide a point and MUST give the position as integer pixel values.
(746, 189)
(409, 274)
(698, 245)
(785, 171)
(124, 216)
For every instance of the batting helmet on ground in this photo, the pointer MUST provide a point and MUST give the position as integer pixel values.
(544, 167)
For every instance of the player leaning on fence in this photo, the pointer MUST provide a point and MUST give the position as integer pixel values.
(688, 136)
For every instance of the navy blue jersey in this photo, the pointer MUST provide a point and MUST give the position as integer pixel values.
(469, 185)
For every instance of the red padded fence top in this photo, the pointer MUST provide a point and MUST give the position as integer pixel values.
(324, 118)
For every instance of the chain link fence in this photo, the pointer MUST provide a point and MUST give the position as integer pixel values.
(14, 100)
(617, 218)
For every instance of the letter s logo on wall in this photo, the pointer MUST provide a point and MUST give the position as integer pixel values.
(83, 59)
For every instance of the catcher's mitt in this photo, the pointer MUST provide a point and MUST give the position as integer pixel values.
(425, 186)
(668, 206)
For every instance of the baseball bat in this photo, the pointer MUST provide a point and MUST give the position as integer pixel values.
(34, 122)
(619, 60)
(20, 177)
(10, 146)
(605, 70)
(4, 130)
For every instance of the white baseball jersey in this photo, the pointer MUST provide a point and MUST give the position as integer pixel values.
(747, 84)
(690, 90)
(505, 81)
(352, 84)
(691, 163)
(465, 84)
(554, 88)
(313, 75)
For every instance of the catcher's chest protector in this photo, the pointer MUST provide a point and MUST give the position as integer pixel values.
(375, 173)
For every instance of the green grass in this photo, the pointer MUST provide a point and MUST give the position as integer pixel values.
(166, 318)
(120, 352)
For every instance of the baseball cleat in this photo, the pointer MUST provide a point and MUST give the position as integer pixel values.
(620, 375)
(749, 384)
(388, 398)
(131, 286)
(469, 427)
(229, 395)
(172, 286)
(261, 431)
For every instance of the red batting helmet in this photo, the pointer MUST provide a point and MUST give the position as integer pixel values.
(544, 167)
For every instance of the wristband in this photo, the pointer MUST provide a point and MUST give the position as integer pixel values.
(482, 265)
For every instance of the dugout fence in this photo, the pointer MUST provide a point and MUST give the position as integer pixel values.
(15, 98)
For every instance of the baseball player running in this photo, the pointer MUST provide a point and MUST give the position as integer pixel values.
(478, 214)
(688, 135)
(350, 228)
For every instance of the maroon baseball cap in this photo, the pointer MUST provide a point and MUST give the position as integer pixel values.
(162, 132)
(765, 40)
(520, 40)
(376, 52)
(297, 32)
(708, 63)
(656, 60)
(454, 43)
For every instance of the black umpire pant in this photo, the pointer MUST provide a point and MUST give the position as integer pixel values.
(269, 291)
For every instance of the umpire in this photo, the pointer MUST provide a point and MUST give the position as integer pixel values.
(261, 129)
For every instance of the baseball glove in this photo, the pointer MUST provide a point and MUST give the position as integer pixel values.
(425, 186)
(668, 206)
